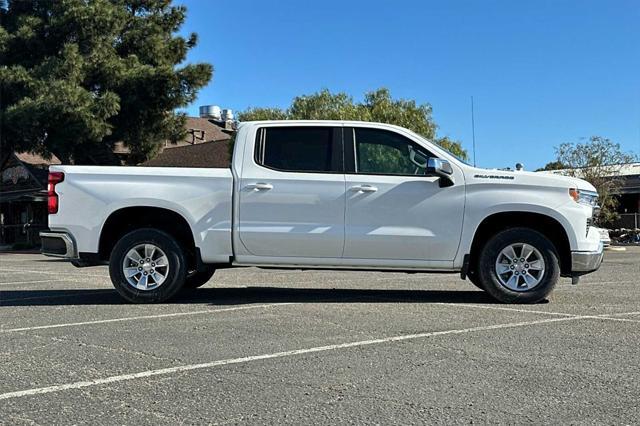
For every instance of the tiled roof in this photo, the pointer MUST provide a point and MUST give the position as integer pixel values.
(199, 130)
(37, 160)
(202, 130)
(207, 154)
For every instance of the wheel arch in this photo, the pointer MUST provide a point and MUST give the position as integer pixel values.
(127, 219)
(542, 223)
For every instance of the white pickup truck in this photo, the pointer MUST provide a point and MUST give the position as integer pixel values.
(326, 195)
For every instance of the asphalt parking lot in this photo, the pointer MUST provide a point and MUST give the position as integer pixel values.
(257, 346)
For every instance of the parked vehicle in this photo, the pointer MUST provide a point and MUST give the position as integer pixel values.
(604, 237)
(625, 236)
(329, 195)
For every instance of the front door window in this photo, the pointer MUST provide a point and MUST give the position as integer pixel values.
(381, 152)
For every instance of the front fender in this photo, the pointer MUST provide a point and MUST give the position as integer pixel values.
(476, 218)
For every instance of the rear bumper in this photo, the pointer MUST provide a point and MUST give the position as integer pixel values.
(58, 244)
(586, 261)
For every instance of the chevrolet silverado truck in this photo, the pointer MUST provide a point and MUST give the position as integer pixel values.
(324, 195)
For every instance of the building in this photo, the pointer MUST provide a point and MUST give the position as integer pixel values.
(23, 198)
(207, 144)
(628, 197)
(23, 176)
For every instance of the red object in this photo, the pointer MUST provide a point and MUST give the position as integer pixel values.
(52, 198)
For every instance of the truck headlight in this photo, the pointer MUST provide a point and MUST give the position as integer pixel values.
(588, 198)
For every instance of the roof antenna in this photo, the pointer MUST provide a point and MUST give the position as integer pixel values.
(473, 133)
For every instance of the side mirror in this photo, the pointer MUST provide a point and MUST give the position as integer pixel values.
(418, 158)
(442, 168)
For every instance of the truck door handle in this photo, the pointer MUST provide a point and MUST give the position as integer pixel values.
(364, 188)
(260, 186)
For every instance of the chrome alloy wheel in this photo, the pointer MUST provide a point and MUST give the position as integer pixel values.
(520, 267)
(145, 267)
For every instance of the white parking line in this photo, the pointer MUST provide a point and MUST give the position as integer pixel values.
(607, 317)
(142, 317)
(30, 271)
(623, 319)
(605, 282)
(614, 317)
(504, 308)
(531, 311)
(191, 367)
(625, 313)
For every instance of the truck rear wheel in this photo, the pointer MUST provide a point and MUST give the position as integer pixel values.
(147, 266)
(519, 265)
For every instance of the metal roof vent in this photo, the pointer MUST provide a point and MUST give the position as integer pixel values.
(227, 115)
(211, 112)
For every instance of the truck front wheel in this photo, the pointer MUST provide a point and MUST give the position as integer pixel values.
(199, 277)
(474, 278)
(147, 266)
(519, 265)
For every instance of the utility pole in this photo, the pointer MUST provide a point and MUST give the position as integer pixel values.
(473, 133)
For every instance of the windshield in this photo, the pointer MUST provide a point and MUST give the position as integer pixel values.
(440, 147)
(454, 155)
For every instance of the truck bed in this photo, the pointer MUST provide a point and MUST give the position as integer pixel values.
(203, 197)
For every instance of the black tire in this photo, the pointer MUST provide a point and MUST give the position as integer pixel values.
(489, 255)
(199, 278)
(474, 278)
(177, 267)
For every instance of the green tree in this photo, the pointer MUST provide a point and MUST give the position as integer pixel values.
(259, 114)
(552, 165)
(377, 106)
(597, 161)
(76, 76)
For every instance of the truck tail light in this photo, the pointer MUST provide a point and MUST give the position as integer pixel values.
(52, 198)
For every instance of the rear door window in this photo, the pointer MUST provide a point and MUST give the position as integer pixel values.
(300, 149)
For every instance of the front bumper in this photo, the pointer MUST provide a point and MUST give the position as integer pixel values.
(58, 244)
(584, 262)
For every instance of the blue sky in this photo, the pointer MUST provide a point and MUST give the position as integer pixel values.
(541, 72)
